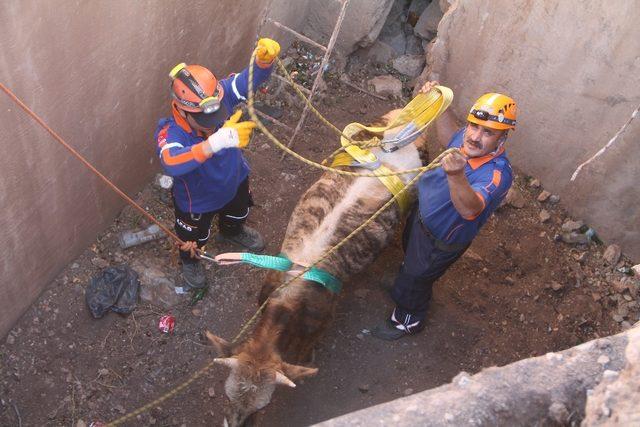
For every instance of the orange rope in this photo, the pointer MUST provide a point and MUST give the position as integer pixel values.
(91, 167)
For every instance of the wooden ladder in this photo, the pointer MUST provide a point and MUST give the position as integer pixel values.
(325, 59)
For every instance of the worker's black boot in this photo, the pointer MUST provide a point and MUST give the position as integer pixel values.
(247, 237)
(193, 274)
(398, 326)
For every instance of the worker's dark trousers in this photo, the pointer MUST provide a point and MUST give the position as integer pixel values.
(423, 264)
(197, 226)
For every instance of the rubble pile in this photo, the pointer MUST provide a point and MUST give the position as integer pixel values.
(603, 271)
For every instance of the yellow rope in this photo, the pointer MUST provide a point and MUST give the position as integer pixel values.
(283, 147)
(434, 164)
(162, 398)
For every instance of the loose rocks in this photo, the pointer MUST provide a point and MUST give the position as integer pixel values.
(612, 254)
(386, 85)
(544, 196)
(514, 198)
(544, 215)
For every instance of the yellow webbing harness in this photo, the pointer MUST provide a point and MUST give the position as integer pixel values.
(413, 118)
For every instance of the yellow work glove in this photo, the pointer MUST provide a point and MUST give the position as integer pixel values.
(244, 129)
(267, 50)
(233, 134)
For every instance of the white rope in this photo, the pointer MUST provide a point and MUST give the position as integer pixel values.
(611, 141)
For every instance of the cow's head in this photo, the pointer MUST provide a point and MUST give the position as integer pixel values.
(253, 378)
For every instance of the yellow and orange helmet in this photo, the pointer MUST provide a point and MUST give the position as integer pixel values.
(495, 111)
(196, 90)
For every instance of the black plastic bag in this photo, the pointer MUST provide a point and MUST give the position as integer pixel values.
(114, 288)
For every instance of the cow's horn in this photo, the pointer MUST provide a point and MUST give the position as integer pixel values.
(283, 380)
(230, 362)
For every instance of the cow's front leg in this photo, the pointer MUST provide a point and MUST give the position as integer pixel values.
(272, 280)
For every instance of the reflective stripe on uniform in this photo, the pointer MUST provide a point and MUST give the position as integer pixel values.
(235, 88)
(170, 145)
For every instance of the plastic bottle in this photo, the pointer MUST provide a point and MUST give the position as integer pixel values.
(575, 238)
(164, 181)
(130, 238)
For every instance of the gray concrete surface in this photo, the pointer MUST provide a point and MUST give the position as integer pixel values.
(573, 67)
(545, 390)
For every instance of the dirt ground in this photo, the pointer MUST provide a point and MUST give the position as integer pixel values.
(516, 293)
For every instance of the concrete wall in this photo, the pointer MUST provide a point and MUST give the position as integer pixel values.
(574, 68)
(360, 27)
(96, 72)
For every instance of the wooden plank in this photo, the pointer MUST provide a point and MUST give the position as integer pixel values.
(298, 35)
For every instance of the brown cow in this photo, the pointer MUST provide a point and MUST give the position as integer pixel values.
(297, 314)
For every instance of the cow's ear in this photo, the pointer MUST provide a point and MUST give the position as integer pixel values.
(294, 372)
(222, 346)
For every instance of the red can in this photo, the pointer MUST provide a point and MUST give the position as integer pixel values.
(167, 323)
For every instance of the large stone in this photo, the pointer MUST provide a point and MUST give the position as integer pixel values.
(379, 52)
(569, 225)
(614, 402)
(361, 26)
(633, 285)
(415, 11)
(155, 287)
(397, 42)
(543, 196)
(386, 85)
(445, 5)
(612, 254)
(418, 6)
(515, 198)
(392, 32)
(409, 65)
(545, 390)
(544, 215)
(427, 25)
(414, 46)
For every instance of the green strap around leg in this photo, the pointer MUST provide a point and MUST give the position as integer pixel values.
(267, 261)
(282, 263)
(326, 279)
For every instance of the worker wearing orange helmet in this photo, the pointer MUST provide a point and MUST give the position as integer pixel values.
(454, 202)
(199, 145)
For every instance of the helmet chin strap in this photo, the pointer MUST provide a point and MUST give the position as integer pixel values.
(503, 138)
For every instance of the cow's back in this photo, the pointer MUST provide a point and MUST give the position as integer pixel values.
(336, 205)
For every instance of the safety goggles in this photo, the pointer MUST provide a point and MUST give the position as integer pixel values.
(207, 104)
(485, 116)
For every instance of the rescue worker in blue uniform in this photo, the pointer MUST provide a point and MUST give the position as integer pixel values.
(199, 146)
(454, 202)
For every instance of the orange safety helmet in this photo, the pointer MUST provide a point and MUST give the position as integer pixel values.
(196, 90)
(495, 111)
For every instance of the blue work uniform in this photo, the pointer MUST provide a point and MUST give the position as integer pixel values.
(204, 184)
(436, 235)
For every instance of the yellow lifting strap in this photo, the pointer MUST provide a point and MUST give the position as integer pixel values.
(417, 114)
